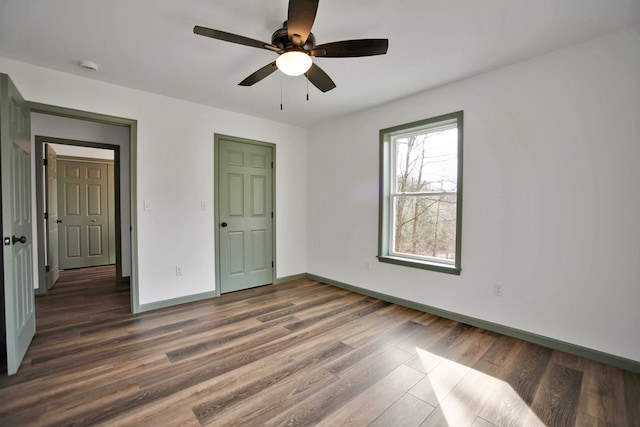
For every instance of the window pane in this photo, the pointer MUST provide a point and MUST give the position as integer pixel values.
(425, 226)
(427, 161)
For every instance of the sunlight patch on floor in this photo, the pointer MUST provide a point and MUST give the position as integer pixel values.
(464, 396)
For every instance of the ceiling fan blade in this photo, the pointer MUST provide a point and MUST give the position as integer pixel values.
(234, 38)
(351, 48)
(259, 75)
(319, 78)
(300, 19)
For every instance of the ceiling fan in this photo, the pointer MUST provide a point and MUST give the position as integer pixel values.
(296, 45)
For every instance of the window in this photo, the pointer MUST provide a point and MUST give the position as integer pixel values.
(421, 194)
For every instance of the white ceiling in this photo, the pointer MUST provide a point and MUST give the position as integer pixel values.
(150, 45)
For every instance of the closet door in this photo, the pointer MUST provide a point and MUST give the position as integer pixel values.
(83, 214)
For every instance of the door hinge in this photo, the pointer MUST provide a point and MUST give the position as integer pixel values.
(271, 215)
(46, 215)
(45, 162)
(47, 269)
(272, 264)
(272, 165)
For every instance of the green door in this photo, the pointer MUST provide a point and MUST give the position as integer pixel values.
(83, 214)
(17, 249)
(53, 270)
(245, 213)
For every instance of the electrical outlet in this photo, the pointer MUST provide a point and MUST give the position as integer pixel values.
(147, 205)
(203, 206)
(497, 290)
(178, 270)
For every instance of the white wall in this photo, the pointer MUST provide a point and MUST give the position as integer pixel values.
(551, 201)
(175, 172)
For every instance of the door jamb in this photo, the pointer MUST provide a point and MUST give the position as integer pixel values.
(216, 141)
(132, 125)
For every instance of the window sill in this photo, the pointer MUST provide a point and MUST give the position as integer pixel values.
(424, 265)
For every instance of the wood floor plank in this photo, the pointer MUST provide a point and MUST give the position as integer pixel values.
(632, 397)
(208, 411)
(379, 323)
(500, 356)
(408, 411)
(506, 407)
(351, 383)
(226, 358)
(180, 417)
(280, 398)
(521, 375)
(296, 353)
(442, 332)
(201, 391)
(136, 400)
(480, 422)
(602, 397)
(382, 344)
(527, 371)
(277, 399)
(557, 397)
(72, 388)
(364, 305)
(371, 403)
(212, 342)
(439, 382)
(461, 406)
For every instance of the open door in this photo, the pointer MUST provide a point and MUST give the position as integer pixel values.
(17, 249)
(52, 221)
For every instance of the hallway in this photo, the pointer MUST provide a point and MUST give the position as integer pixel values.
(80, 296)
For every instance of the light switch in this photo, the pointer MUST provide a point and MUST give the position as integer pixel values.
(147, 205)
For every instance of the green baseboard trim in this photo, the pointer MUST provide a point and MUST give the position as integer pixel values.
(598, 356)
(175, 301)
(205, 295)
(290, 278)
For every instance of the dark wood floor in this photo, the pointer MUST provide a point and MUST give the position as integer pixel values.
(299, 353)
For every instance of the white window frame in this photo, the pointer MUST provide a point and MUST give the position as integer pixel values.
(388, 194)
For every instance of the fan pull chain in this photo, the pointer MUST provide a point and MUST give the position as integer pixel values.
(307, 88)
(280, 93)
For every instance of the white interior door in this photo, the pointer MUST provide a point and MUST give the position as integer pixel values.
(53, 268)
(16, 223)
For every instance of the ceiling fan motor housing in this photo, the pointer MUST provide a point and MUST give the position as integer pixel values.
(280, 38)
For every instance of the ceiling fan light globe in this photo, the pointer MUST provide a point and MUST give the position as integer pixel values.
(294, 63)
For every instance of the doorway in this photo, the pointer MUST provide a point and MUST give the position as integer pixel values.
(79, 208)
(85, 131)
(77, 191)
(245, 217)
